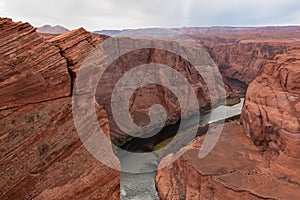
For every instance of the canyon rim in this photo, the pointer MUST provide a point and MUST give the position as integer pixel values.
(44, 155)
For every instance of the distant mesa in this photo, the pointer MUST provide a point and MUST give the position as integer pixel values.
(216, 30)
(234, 30)
(109, 32)
(48, 29)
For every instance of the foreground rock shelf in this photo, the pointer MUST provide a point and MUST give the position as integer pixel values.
(235, 169)
(42, 156)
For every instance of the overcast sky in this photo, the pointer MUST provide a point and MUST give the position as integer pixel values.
(121, 14)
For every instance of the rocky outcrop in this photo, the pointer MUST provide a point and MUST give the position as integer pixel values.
(240, 62)
(75, 46)
(32, 70)
(235, 169)
(271, 115)
(41, 155)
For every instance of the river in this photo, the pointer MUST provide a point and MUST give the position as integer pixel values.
(142, 185)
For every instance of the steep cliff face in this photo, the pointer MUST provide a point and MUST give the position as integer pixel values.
(242, 57)
(248, 167)
(147, 96)
(245, 59)
(32, 70)
(41, 154)
(76, 46)
(271, 115)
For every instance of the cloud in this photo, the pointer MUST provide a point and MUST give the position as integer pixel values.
(119, 14)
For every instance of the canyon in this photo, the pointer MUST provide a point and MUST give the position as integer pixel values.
(42, 156)
(261, 152)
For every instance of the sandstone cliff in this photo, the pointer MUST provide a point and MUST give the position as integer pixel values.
(41, 154)
(156, 94)
(248, 167)
(271, 115)
(76, 47)
(245, 59)
(32, 70)
(242, 57)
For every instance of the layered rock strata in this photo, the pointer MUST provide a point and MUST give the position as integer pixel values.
(271, 115)
(251, 160)
(32, 70)
(234, 169)
(41, 155)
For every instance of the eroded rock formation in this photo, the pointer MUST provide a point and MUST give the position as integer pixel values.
(147, 96)
(271, 115)
(235, 169)
(75, 46)
(242, 57)
(32, 70)
(245, 60)
(41, 154)
(248, 167)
